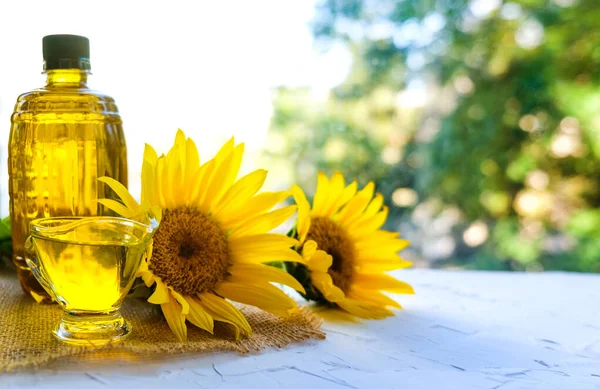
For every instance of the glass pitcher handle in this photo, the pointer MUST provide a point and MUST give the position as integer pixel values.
(34, 265)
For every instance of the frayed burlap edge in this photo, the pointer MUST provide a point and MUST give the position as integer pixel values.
(26, 341)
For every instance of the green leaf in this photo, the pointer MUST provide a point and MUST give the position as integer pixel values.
(585, 223)
(5, 228)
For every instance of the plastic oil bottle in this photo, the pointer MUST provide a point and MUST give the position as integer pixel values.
(63, 137)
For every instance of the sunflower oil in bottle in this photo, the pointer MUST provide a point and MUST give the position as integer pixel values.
(63, 137)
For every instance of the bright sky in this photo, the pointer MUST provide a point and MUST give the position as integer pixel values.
(205, 67)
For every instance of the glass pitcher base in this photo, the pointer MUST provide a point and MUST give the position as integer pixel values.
(91, 330)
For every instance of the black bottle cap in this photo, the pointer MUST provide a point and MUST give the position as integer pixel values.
(66, 52)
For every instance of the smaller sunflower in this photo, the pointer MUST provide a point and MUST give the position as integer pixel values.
(347, 255)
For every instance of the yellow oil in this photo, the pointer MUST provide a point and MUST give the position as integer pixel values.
(62, 138)
(90, 268)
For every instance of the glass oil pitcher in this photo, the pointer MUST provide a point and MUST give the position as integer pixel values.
(63, 137)
(88, 265)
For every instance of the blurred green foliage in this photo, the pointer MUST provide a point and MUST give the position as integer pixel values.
(5, 242)
(479, 121)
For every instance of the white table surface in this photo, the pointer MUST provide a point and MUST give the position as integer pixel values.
(461, 330)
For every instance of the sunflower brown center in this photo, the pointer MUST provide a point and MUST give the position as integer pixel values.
(334, 241)
(190, 251)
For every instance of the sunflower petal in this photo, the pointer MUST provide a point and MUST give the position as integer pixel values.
(374, 206)
(224, 175)
(382, 282)
(224, 151)
(303, 212)
(266, 297)
(267, 256)
(160, 295)
(364, 248)
(320, 195)
(364, 310)
(264, 223)
(199, 184)
(359, 227)
(180, 139)
(160, 193)
(363, 256)
(308, 249)
(173, 178)
(324, 283)
(185, 307)
(116, 206)
(143, 271)
(320, 261)
(207, 191)
(148, 278)
(175, 319)
(376, 267)
(373, 297)
(192, 163)
(258, 242)
(150, 155)
(149, 190)
(336, 192)
(199, 317)
(122, 192)
(257, 205)
(144, 265)
(346, 195)
(221, 310)
(239, 193)
(257, 274)
(379, 237)
(357, 205)
(157, 211)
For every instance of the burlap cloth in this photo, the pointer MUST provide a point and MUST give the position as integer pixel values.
(26, 340)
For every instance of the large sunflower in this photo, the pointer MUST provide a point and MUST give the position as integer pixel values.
(213, 238)
(346, 253)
